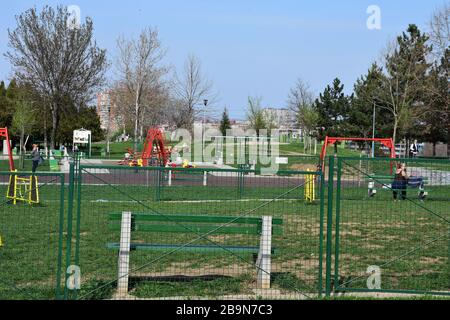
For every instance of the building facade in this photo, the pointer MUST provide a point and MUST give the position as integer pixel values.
(107, 112)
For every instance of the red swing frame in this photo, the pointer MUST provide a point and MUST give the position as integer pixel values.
(387, 142)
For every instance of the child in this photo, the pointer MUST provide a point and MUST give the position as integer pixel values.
(35, 157)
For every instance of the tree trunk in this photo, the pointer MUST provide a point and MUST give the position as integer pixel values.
(22, 134)
(45, 132)
(394, 136)
(136, 125)
(54, 127)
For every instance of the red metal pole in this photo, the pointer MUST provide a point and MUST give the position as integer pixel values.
(4, 133)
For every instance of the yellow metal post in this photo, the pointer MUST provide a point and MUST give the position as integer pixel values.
(310, 195)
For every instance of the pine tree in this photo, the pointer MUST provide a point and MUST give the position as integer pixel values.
(437, 116)
(404, 84)
(366, 90)
(225, 122)
(333, 108)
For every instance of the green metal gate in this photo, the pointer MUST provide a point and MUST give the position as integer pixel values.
(389, 239)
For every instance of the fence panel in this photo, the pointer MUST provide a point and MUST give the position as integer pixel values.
(392, 236)
(197, 233)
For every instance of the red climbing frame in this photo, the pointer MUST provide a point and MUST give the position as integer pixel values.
(155, 138)
(387, 142)
(4, 133)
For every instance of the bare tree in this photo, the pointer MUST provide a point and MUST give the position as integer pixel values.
(301, 102)
(255, 114)
(191, 89)
(60, 62)
(24, 119)
(440, 30)
(140, 73)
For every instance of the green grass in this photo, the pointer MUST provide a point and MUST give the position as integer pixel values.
(191, 289)
(4, 166)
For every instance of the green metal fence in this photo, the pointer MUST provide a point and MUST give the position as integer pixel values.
(32, 239)
(197, 233)
(204, 233)
(390, 237)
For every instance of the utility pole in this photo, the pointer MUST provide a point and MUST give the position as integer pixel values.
(373, 131)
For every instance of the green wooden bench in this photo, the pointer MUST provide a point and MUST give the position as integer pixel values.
(128, 223)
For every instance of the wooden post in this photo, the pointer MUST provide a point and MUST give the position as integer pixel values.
(170, 178)
(124, 254)
(265, 249)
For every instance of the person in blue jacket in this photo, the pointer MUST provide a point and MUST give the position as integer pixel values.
(35, 157)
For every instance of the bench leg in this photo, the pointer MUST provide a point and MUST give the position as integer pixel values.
(124, 254)
(263, 262)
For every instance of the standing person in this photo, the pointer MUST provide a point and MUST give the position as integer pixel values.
(400, 182)
(413, 149)
(35, 157)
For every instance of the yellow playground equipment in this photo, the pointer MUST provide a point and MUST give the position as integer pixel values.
(23, 188)
(20, 187)
(187, 164)
(310, 190)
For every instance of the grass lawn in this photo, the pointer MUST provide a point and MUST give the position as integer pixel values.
(4, 165)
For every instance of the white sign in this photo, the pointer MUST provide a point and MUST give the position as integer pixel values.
(81, 136)
(279, 160)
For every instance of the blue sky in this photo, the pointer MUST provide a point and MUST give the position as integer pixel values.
(250, 47)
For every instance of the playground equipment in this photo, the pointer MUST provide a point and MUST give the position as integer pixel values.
(20, 187)
(387, 142)
(23, 189)
(154, 152)
(187, 164)
(4, 134)
(310, 193)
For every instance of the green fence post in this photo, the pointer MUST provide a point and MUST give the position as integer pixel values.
(338, 214)
(78, 224)
(158, 185)
(322, 204)
(69, 222)
(329, 225)
(240, 184)
(60, 240)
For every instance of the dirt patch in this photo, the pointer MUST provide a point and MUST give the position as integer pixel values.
(303, 167)
(354, 232)
(187, 270)
(433, 261)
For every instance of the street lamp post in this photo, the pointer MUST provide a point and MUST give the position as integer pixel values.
(205, 103)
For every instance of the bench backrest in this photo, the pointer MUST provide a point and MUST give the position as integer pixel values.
(183, 223)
